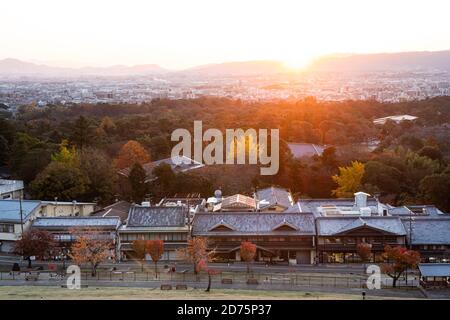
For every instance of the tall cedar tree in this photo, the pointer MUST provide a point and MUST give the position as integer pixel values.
(137, 179)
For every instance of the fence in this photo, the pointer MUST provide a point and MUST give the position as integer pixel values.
(288, 280)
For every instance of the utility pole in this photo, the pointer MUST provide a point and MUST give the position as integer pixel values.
(21, 216)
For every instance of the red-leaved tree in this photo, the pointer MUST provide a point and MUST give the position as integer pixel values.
(34, 242)
(398, 260)
(248, 253)
(364, 251)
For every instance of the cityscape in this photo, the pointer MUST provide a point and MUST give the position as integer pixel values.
(221, 156)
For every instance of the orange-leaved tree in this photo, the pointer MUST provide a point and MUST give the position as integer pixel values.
(155, 248)
(130, 153)
(248, 253)
(139, 251)
(91, 246)
(398, 260)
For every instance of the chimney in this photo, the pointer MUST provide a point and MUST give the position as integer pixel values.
(361, 199)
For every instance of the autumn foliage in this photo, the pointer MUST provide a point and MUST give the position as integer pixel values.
(34, 242)
(398, 260)
(364, 251)
(90, 247)
(248, 253)
(196, 252)
(155, 248)
(139, 250)
(131, 152)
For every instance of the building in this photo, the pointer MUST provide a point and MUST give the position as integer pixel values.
(287, 237)
(397, 119)
(338, 237)
(118, 209)
(178, 164)
(15, 216)
(237, 202)
(11, 189)
(62, 229)
(434, 275)
(66, 209)
(169, 224)
(274, 199)
(304, 150)
(194, 204)
(430, 235)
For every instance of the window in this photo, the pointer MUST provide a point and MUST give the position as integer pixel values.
(6, 228)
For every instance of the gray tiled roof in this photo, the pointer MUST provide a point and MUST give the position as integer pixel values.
(429, 230)
(274, 196)
(69, 222)
(327, 226)
(253, 223)
(10, 209)
(156, 217)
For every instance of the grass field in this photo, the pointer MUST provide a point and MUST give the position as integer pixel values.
(115, 293)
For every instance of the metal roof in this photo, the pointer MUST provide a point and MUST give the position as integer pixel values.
(70, 222)
(10, 209)
(434, 269)
(274, 196)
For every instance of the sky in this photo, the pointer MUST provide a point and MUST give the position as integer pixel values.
(179, 34)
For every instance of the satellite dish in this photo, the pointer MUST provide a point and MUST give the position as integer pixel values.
(218, 194)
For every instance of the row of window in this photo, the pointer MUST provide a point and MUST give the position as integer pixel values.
(176, 236)
(6, 228)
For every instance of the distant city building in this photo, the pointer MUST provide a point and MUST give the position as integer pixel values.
(396, 119)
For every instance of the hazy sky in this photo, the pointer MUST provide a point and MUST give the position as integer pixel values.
(184, 33)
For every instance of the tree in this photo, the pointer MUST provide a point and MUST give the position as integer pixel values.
(195, 252)
(140, 251)
(348, 180)
(90, 247)
(82, 132)
(431, 152)
(398, 260)
(61, 180)
(209, 271)
(435, 189)
(137, 178)
(248, 252)
(155, 248)
(130, 153)
(34, 242)
(96, 165)
(165, 177)
(364, 251)
(65, 154)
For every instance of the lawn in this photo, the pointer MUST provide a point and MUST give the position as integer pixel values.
(115, 293)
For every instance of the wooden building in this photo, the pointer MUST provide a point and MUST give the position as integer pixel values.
(287, 237)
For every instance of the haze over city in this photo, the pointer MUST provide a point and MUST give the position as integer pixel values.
(181, 34)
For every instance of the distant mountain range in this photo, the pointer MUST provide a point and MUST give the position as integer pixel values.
(404, 61)
(14, 67)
